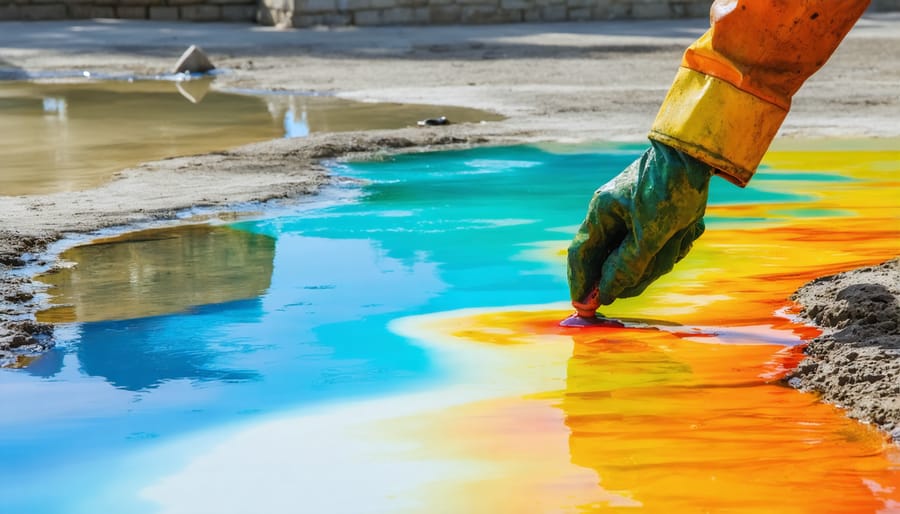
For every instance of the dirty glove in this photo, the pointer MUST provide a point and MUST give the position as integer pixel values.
(638, 226)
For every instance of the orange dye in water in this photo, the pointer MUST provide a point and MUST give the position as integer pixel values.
(688, 414)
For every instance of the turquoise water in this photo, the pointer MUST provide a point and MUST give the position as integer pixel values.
(426, 233)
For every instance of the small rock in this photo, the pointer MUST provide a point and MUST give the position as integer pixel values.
(433, 122)
(193, 60)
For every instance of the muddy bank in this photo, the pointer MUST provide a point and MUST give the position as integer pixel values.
(20, 335)
(279, 170)
(855, 363)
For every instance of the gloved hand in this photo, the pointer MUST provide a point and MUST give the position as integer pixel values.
(638, 226)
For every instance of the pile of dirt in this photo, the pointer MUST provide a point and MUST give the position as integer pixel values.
(855, 363)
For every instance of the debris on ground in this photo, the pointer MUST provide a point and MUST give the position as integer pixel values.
(433, 122)
(193, 60)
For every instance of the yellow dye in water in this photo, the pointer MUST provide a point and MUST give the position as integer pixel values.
(685, 415)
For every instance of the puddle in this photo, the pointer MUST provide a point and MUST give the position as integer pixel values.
(159, 271)
(70, 136)
(354, 382)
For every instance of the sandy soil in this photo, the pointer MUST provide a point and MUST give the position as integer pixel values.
(855, 363)
(555, 82)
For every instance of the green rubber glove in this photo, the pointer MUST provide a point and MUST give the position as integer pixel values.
(638, 225)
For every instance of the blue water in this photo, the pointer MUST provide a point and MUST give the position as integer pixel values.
(425, 233)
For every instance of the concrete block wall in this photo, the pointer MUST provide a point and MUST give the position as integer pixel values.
(305, 13)
(885, 5)
(163, 10)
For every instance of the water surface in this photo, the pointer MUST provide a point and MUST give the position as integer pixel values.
(354, 382)
(70, 136)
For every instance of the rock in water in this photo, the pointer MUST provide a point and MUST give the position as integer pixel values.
(193, 60)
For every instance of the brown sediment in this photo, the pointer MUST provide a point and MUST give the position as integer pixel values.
(855, 363)
(74, 136)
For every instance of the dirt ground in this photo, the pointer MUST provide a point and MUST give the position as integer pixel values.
(855, 363)
(555, 82)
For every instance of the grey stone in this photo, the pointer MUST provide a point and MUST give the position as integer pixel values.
(282, 5)
(238, 13)
(9, 12)
(367, 17)
(422, 15)
(139, 3)
(131, 12)
(444, 14)
(481, 14)
(554, 13)
(299, 21)
(330, 20)
(163, 13)
(600, 12)
(697, 9)
(193, 60)
(580, 14)
(42, 12)
(398, 16)
(650, 11)
(201, 12)
(81, 11)
(266, 16)
(531, 15)
(619, 11)
(516, 4)
(355, 5)
(315, 6)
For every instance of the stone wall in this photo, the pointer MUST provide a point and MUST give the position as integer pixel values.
(163, 10)
(305, 13)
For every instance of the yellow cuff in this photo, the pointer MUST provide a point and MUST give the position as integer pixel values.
(717, 123)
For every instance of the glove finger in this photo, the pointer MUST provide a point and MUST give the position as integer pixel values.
(601, 232)
(624, 268)
(673, 251)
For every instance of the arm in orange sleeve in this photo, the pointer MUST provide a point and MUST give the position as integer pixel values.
(735, 84)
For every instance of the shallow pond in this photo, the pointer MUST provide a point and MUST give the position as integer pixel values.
(396, 349)
(70, 136)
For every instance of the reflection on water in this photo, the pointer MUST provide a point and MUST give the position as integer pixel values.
(159, 271)
(64, 137)
(508, 411)
(128, 355)
(669, 419)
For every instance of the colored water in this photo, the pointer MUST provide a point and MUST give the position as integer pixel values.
(354, 382)
(69, 136)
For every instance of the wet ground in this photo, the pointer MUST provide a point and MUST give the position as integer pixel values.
(357, 346)
(72, 136)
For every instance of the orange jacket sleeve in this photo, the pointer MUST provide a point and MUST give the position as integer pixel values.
(735, 84)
